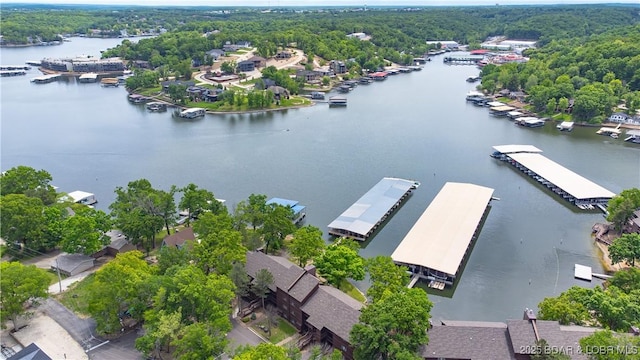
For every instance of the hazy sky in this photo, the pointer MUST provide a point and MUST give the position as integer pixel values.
(280, 3)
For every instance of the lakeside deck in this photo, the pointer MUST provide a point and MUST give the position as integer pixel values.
(438, 243)
(362, 218)
(572, 187)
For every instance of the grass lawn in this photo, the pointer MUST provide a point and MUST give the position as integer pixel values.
(53, 276)
(562, 117)
(149, 91)
(76, 297)
(278, 333)
(352, 291)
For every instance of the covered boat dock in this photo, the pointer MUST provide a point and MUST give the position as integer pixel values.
(362, 218)
(437, 244)
(298, 210)
(574, 188)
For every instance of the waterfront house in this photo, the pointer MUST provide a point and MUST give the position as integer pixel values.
(166, 84)
(179, 238)
(619, 117)
(324, 314)
(309, 75)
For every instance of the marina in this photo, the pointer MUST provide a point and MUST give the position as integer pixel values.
(572, 187)
(437, 244)
(362, 218)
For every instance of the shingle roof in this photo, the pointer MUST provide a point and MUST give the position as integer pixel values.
(31, 352)
(332, 309)
(178, 239)
(469, 342)
(303, 287)
(521, 334)
(285, 273)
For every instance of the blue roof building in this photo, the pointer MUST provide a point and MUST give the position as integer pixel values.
(298, 210)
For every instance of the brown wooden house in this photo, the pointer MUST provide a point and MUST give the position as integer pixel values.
(326, 313)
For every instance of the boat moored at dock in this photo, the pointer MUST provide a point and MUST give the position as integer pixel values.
(83, 197)
(633, 136)
(192, 113)
(610, 131)
(529, 121)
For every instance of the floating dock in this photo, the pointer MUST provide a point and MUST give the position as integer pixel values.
(574, 188)
(363, 217)
(298, 210)
(45, 78)
(14, 67)
(5, 73)
(437, 244)
(337, 101)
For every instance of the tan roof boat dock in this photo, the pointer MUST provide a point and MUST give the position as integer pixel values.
(574, 188)
(437, 244)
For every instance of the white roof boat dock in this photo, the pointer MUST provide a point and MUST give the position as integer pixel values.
(495, 103)
(529, 121)
(562, 181)
(565, 126)
(192, 113)
(633, 136)
(362, 218)
(501, 110)
(88, 77)
(45, 78)
(436, 245)
(337, 101)
(609, 131)
(83, 197)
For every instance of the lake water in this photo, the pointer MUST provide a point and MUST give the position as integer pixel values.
(415, 126)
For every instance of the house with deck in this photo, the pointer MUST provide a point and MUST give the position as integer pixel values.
(322, 314)
(179, 238)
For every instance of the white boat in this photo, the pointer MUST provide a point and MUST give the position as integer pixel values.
(192, 113)
(609, 131)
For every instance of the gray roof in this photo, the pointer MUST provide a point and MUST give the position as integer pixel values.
(334, 310)
(31, 352)
(118, 244)
(287, 276)
(566, 338)
(69, 262)
(522, 335)
(365, 213)
(477, 342)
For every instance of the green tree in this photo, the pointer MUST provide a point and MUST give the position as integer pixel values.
(253, 210)
(622, 206)
(307, 244)
(177, 93)
(240, 279)
(199, 341)
(607, 345)
(161, 328)
(385, 276)
(277, 225)
(21, 287)
(264, 351)
(625, 248)
(263, 280)
(626, 280)
(228, 67)
(563, 104)
(219, 251)
(195, 201)
(22, 220)
(85, 233)
(393, 327)
(339, 262)
(567, 308)
(117, 287)
(28, 181)
(166, 205)
(551, 106)
(545, 352)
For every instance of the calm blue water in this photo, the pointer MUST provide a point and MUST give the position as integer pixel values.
(415, 126)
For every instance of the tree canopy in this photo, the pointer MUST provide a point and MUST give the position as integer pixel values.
(21, 286)
(339, 262)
